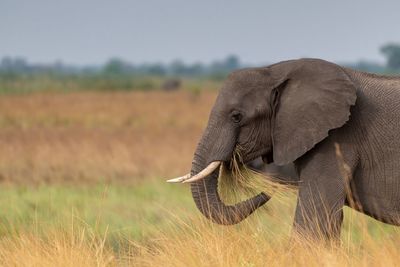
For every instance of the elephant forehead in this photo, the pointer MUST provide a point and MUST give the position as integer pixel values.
(248, 98)
(243, 86)
(244, 79)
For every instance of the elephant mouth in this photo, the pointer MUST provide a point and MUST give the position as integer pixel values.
(265, 155)
(255, 160)
(267, 158)
(215, 165)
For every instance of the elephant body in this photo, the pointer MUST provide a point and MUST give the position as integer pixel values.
(371, 143)
(305, 112)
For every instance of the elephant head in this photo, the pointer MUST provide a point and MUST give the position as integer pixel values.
(278, 113)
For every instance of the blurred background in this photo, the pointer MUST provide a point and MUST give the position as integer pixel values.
(96, 91)
(101, 101)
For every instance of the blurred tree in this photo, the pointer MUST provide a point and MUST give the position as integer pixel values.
(156, 69)
(194, 69)
(177, 67)
(13, 65)
(232, 63)
(116, 66)
(221, 68)
(368, 66)
(392, 54)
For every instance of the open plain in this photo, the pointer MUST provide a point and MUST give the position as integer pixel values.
(82, 178)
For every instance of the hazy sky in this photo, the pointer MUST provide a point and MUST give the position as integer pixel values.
(90, 32)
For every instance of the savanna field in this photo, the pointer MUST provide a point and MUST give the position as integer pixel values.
(82, 178)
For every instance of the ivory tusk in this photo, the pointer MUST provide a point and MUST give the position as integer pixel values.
(204, 173)
(179, 179)
(201, 175)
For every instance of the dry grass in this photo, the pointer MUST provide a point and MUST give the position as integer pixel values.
(242, 183)
(87, 137)
(364, 242)
(125, 137)
(196, 242)
(252, 245)
(56, 248)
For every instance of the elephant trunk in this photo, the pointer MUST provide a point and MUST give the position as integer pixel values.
(208, 201)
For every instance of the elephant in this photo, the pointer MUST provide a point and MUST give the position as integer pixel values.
(282, 174)
(301, 111)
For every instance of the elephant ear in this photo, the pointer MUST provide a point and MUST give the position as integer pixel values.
(314, 96)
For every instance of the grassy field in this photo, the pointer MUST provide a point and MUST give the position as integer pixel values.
(91, 137)
(100, 82)
(82, 179)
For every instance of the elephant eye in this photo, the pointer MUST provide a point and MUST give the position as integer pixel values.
(236, 116)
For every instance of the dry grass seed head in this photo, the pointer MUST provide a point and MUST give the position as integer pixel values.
(240, 182)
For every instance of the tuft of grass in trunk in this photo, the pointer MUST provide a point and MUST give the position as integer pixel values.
(240, 183)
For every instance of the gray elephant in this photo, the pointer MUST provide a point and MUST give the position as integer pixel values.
(296, 111)
(285, 174)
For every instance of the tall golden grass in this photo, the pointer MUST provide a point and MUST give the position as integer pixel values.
(56, 248)
(250, 244)
(197, 242)
(91, 137)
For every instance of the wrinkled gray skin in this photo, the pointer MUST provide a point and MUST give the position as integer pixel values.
(295, 111)
(285, 174)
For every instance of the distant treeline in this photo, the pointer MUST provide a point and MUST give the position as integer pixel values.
(218, 69)
(116, 67)
(17, 75)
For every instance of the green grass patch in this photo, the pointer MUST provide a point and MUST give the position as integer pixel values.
(135, 211)
(140, 212)
(25, 84)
